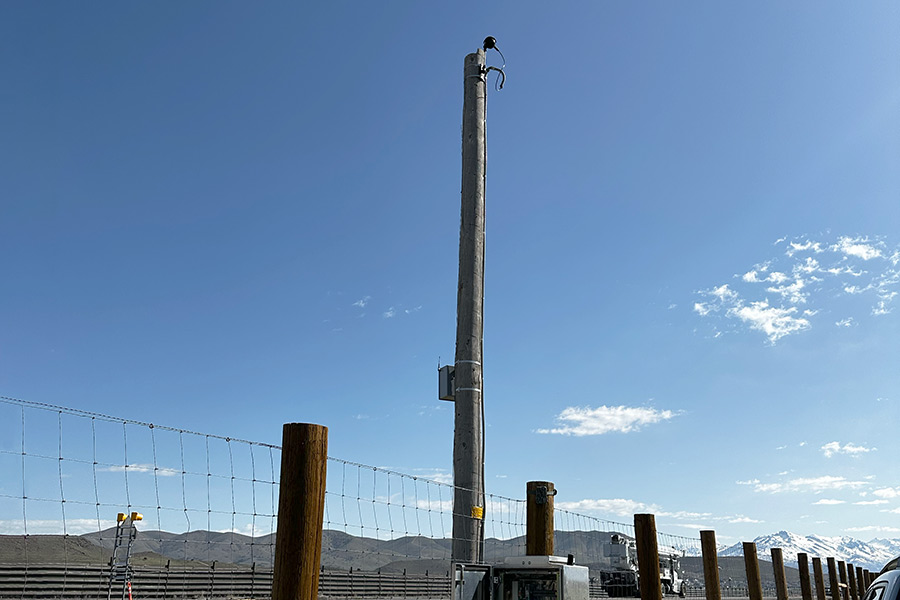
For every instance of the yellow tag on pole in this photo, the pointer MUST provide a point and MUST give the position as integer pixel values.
(477, 512)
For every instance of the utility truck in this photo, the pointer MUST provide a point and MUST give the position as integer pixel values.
(619, 568)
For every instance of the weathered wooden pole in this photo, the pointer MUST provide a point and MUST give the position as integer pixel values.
(833, 579)
(710, 565)
(468, 447)
(842, 572)
(860, 582)
(301, 504)
(648, 556)
(819, 577)
(803, 568)
(781, 592)
(751, 565)
(851, 582)
(539, 518)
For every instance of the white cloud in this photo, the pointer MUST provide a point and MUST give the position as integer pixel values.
(828, 502)
(362, 302)
(870, 502)
(808, 484)
(775, 322)
(702, 308)
(895, 511)
(615, 506)
(142, 468)
(858, 247)
(389, 313)
(793, 293)
(54, 526)
(888, 492)
(748, 482)
(584, 420)
(810, 273)
(832, 448)
(743, 519)
(873, 528)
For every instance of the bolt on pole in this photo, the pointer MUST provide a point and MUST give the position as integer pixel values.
(468, 449)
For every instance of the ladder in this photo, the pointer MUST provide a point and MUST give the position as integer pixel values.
(120, 569)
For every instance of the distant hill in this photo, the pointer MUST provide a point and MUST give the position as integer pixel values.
(415, 554)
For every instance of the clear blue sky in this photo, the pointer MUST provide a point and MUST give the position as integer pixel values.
(227, 216)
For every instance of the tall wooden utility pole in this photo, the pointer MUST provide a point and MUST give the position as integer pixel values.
(468, 435)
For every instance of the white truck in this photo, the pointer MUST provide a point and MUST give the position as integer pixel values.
(619, 568)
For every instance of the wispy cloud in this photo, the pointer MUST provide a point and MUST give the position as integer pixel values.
(362, 302)
(870, 502)
(780, 296)
(828, 502)
(804, 484)
(584, 420)
(389, 313)
(873, 529)
(832, 448)
(626, 507)
(142, 468)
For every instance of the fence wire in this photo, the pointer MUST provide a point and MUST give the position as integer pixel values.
(209, 504)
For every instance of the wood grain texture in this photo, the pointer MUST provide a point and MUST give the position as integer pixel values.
(710, 565)
(751, 565)
(301, 503)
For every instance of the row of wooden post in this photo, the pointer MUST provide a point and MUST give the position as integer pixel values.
(298, 541)
(846, 582)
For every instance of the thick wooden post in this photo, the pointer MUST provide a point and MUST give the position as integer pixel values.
(468, 431)
(751, 565)
(860, 582)
(648, 556)
(819, 577)
(710, 565)
(842, 572)
(851, 582)
(833, 579)
(781, 592)
(301, 503)
(539, 518)
(803, 568)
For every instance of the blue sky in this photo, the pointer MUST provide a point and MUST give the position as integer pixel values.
(223, 217)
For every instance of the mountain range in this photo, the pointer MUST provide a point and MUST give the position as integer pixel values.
(415, 554)
(870, 555)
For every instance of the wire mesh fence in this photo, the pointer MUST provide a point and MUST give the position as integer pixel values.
(209, 515)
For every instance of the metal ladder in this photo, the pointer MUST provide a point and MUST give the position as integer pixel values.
(120, 569)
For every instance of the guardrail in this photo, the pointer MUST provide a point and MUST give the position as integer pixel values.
(88, 582)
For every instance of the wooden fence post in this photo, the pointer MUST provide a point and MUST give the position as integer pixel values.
(781, 592)
(803, 568)
(860, 582)
(710, 565)
(833, 579)
(842, 572)
(539, 518)
(751, 565)
(851, 581)
(648, 556)
(301, 503)
(819, 577)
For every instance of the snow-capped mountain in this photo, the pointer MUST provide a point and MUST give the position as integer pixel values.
(869, 555)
